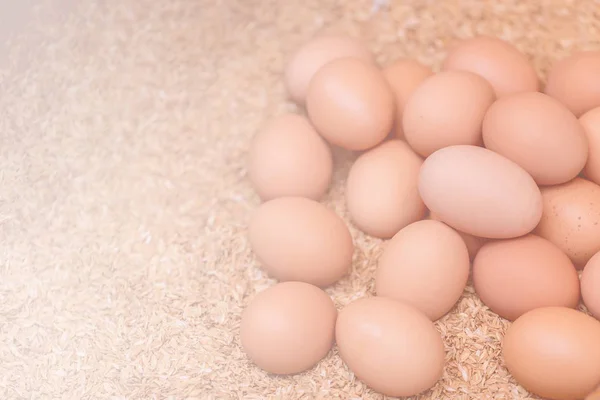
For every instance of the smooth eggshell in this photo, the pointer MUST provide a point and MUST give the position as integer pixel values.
(389, 345)
(473, 243)
(590, 285)
(446, 109)
(502, 64)
(404, 76)
(574, 81)
(429, 277)
(298, 239)
(288, 328)
(554, 352)
(540, 134)
(351, 104)
(289, 158)
(591, 125)
(479, 192)
(595, 395)
(314, 54)
(517, 275)
(381, 189)
(571, 219)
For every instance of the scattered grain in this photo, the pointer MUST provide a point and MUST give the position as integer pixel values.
(124, 201)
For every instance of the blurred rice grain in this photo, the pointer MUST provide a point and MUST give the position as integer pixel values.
(124, 258)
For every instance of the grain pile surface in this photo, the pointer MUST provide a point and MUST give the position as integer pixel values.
(124, 200)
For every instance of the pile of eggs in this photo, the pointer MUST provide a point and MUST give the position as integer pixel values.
(471, 171)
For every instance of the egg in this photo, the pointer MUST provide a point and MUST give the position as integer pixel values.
(314, 54)
(390, 346)
(595, 395)
(446, 109)
(554, 352)
(590, 285)
(351, 104)
(499, 62)
(574, 81)
(538, 133)
(571, 219)
(288, 328)
(590, 121)
(404, 76)
(517, 275)
(381, 189)
(479, 192)
(289, 158)
(298, 239)
(473, 243)
(426, 265)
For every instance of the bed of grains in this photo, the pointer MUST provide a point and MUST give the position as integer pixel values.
(124, 258)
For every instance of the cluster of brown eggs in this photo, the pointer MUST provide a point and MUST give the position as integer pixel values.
(472, 165)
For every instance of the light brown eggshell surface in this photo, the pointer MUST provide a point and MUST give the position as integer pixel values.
(446, 109)
(389, 345)
(381, 190)
(571, 219)
(351, 104)
(595, 395)
(590, 121)
(426, 265)
(517, 275)
(298, 239)
(540, 134)
(473, 243)
(479, 192)
(554, 352)
(404, 76)
(314, 54)
(288, 328)
(289, 158)
(590, 285)
(574, 81)
(498, 61)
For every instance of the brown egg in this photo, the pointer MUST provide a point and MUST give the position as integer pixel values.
(391, 346)
(426, 265)
(288, 328)
(446, 109)
(591, 125)
(590, 285)
(503, 65)
(554, 352)
(538, 133)
(595, 395)
(473, 243)
(479, 192)
(314, 54)
(351, 104)
(289, 158)
(381, 189)
(514, 276)
(571, 219)
(298, 239)
(574, 81)
(404, 76)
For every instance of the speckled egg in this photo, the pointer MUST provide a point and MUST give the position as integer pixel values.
(571, 219)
